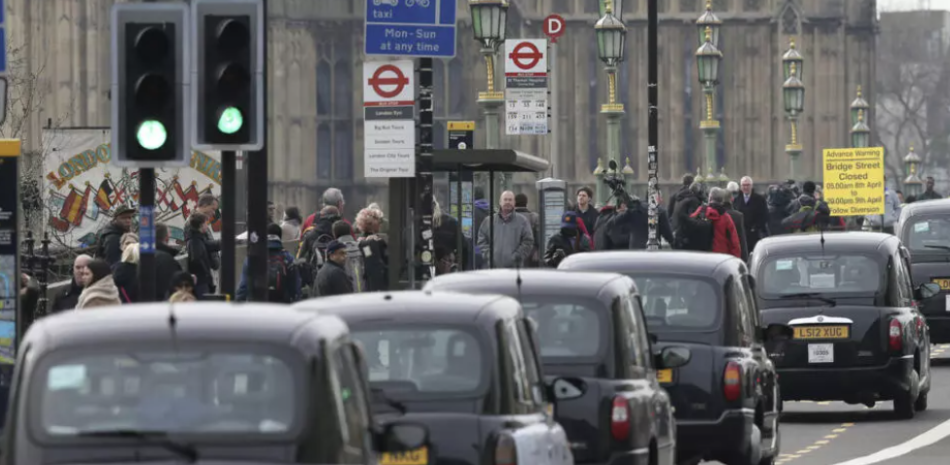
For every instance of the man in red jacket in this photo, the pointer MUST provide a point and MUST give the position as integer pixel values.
(725, 236)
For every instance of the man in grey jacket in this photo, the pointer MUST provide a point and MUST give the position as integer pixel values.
(892, 211)
(514, 240)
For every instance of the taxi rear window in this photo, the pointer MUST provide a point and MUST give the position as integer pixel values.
(929, 235)
(185, 391)
(568, 328)
(679, 303)
(409, 360)
(824, 274)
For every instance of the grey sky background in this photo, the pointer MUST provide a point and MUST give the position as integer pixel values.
(900, 5)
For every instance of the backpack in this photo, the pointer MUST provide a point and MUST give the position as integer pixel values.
(779, 197)
(355, 268)
(280, 286)
(697, 232)
(319, 255)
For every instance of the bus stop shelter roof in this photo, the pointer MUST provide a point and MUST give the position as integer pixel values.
(485, 160)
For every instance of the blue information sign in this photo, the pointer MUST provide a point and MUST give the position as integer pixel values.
(421, 28)
(146, 230)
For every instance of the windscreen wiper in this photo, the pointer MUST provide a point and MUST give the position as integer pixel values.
(810, 295)
(157, 438)
(380, 395)
(941, 247)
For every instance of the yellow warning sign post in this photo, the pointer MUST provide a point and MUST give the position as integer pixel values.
(854, 181)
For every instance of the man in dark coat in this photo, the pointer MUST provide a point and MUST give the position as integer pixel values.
(567, 242)
(165, 264)
(685, 206)
(67, 299)
(755, 211)
(628, 229)
(109, 246)
(680, 194)
(739, 219)
(332, 278)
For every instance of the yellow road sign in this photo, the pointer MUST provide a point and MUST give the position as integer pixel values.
(854, 181)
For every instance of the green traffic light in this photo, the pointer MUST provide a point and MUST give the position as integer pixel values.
(230, 121)
(151, 134)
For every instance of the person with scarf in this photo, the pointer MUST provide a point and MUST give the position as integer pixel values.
(567, 242)
(100, 289)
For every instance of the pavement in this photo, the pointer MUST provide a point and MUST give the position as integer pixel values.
(835, 433)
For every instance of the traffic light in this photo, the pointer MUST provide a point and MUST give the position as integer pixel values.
(149, 85)
(228, 91)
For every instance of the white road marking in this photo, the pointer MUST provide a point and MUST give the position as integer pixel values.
(926, 439)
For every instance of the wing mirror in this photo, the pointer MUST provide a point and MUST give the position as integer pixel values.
(566, 388)
(402, 437)
(776, 332)
(927, 290)
(672, 357)
(653, 338)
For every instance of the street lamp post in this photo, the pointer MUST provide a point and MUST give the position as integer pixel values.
(611, 41)
(489, 23)
(912, 184)
(857, 105)
(708, 58)
(793, 96)
(860, 132)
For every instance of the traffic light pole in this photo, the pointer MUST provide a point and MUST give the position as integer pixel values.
(424, 168)
(147, 235)
(228, 224)
(257, 204)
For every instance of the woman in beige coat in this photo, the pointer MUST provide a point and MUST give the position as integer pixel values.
(99, 288)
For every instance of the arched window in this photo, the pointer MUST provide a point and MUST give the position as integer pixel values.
(343, 93)
(335, 119)
(343, 150)
(324, 88)
(324, 151)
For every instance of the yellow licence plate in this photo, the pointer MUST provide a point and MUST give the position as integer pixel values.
(664, 376)
(822, 332)
(944, 283)
(413, 457)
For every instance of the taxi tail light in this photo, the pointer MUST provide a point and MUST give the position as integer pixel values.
(920, 327)
(620, 419)
(732, 382)
(506, 453)
(895, 336)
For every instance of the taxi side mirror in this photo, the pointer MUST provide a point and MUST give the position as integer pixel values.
(402, 437)
(566, 388)
(927, 290)
(672, 357)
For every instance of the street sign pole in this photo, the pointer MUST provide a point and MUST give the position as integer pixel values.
(257, 201)
(147, 291)
(228, 223)
(427, 255)
(553, 28)
(653, 131)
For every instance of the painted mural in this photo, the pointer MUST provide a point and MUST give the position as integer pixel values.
(82, 188)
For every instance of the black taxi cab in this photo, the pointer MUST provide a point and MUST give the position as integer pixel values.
(924, 229)
(198, 383)
(859, 336)
(727, 397)
(464, 366)
(592, 335)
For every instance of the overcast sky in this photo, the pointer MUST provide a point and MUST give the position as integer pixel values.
(892, 5)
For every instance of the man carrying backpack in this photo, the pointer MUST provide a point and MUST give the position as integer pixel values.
(711, 229)
(332, 278)
(283, 280)
(354, 266)
(313, 244)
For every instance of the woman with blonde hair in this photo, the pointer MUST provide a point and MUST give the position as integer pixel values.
(182, 296)
(126, 274)
(374, 248)
(127, 239)
(99, 288)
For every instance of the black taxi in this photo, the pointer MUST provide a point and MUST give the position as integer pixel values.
(924, 229)
(198, 383)
(727, 397)
(464, 366)
(859, 336)
(592, 334)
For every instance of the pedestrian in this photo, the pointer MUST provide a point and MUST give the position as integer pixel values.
(126, 275)
(99, 287)
(165, 264)
(208, 206)
(737, 218)
(291, 223)
(332, 197)
(512, 235)
(521, 207)
(567, 241)
(332, 278)
(200, 249)
(755, 212)
(682, 193)
(181, 283)
(182, 297)
(68, 298)
(108, 244)
(929, 193)
(374, 248)
(446, 232)
(586, 212)
(725, 237)
(629, 229)
(892, 211)
(685, 205)
(481, 210)
(283, 285)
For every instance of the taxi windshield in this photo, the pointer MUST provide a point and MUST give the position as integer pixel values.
(826, 275)
(412, 360)
(568, 328)
(930, 236)
(679, 303)
(207, 391)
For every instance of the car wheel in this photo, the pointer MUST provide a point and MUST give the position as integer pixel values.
(921, 403)
(753, 454)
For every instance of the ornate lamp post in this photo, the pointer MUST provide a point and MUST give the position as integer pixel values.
(860, 132)
(857, 105)
(489, 23)
(793, 97)
(912, 184)
(708, 58)
(711, 21)
(611, 43)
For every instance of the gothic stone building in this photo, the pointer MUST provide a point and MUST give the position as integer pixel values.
(316, 130)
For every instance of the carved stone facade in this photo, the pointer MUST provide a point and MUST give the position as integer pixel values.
(315, 70)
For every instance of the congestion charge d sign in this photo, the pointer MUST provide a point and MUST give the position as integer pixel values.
(854, 181)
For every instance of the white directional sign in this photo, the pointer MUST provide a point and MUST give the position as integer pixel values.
(389, 141)
(526, 91)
